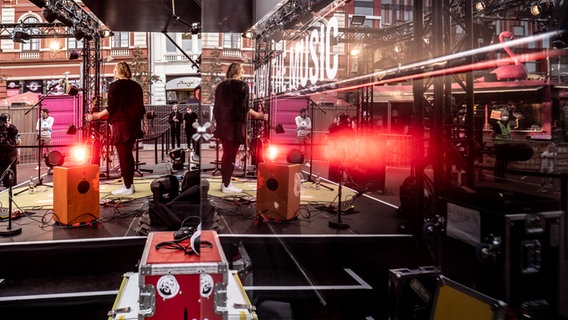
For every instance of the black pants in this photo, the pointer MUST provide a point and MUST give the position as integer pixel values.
(126, 160)
(500, 167)
(8, 157)
(228, 159)
(194, 144)
(176, 133)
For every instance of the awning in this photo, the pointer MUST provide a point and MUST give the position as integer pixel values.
(29, 98)
(183, 83)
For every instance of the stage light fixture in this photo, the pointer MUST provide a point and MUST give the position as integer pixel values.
(54, 159)
(73, 90)
(79, 154)
(295, 156)
(272, 152)
(195, 28)
(355, 51)
(357, 20)
(178, 158)
(105, 33)
(479, 6)
(49, 15)
(73, 55)
(20, 36)
(279, 129)
(536, 9)
(88, 36)
(68, 21)
(72, 130)
(39, 3)
(78, 33)
(248, 35)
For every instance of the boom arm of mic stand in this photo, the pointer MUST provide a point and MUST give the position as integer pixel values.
(315, 104)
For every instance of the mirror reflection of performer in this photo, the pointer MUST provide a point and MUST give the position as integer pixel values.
(175, 119)
(231, 111)
(190, 117)
(8, 149)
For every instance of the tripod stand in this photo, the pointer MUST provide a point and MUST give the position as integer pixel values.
(9, 231)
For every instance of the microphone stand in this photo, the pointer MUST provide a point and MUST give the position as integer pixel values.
(40, 145)
(313, 103)
(9, 231)
(339, 224)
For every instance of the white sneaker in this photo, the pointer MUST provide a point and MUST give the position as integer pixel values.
(36, 168)
(230, 189)
(123, 190)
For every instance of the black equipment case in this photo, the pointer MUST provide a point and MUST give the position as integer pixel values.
(506, 245)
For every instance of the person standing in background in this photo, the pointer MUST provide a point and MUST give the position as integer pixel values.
(175, 119)
(44, 126)
(125, 111)
(231, 111)
(304, 132)
(189, 118)
(501, 136)
(8, 150)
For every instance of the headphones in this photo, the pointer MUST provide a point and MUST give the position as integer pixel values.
(184, 233)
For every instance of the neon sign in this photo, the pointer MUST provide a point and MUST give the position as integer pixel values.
(304, 62)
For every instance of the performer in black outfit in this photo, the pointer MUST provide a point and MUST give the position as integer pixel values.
(175, 118)
(231, 112)
(8, 150)
(189, 118)
(125, 112)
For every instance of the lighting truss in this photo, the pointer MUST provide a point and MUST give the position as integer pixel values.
(35, 30)
(71, 14)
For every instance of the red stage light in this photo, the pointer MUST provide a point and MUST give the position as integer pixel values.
(272, 152)
(79, 154)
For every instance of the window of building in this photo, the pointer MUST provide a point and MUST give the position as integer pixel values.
(34, 43)
(170, 46)
(73, 43)
(232, 40)
(186, 41)
(121, 40)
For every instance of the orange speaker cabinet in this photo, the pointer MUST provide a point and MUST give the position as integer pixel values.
(76, 194)
(278, 190)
